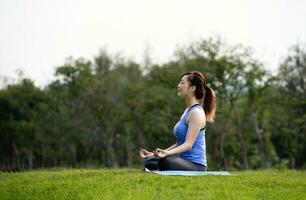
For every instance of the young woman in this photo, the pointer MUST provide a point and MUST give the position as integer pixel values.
(200, 100)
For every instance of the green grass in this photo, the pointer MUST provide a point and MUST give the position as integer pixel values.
(135, 184)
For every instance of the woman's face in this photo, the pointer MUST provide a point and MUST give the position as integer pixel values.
(183, 87)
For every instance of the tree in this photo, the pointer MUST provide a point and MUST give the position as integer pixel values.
(292, 83)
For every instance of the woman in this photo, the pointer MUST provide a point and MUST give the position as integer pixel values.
(200, 100)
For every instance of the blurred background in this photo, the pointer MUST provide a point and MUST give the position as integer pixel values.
(86, 84)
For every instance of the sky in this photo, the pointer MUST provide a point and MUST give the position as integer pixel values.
(36, 36)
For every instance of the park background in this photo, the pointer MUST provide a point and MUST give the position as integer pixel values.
(96, 108)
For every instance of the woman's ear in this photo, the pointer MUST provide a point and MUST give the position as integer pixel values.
(193, 88)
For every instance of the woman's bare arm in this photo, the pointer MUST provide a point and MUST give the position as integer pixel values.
(172, 147)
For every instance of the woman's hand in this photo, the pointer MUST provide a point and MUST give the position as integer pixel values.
(145, 154)
(160, 153)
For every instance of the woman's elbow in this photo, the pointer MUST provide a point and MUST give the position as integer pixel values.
(188, 146)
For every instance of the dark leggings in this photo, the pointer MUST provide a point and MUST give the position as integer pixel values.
(172, 163)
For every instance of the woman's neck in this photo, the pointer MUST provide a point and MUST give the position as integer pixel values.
(191, 101)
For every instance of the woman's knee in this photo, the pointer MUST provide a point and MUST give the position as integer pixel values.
(165, 163)
(151, 164)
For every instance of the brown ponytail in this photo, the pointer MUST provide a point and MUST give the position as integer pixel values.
(209, 104)
(204, 93)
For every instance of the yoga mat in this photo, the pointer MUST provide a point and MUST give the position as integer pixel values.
(189, 173)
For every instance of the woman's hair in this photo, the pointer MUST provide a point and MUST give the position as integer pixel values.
(204, 93)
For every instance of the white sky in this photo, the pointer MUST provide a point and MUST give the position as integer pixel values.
(37, 35)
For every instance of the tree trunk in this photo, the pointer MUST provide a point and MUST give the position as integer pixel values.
(240, 137)
(73, 155)
(102, 152)
(17, 155)
(30, 160)
(141, 139)
(55, 162)
(265, 147)
(216, 152)
(222, 154)
(291, 162)
(129, 146)
(262, 141)
(111, 149)
(43, 156)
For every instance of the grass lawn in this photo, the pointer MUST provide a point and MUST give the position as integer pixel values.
(135, 184)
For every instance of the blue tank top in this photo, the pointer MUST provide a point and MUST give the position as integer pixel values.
(197, 153)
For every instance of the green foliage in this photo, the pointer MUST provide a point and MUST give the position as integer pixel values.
(99, 113)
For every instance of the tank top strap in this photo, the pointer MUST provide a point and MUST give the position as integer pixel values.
(189, 111)
(191, 108)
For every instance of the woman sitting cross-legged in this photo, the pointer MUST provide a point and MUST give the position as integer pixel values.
(190, 130)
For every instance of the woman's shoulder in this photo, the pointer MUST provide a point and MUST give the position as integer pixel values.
(196, 113)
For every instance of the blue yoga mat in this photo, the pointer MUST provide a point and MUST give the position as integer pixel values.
(189, 173)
